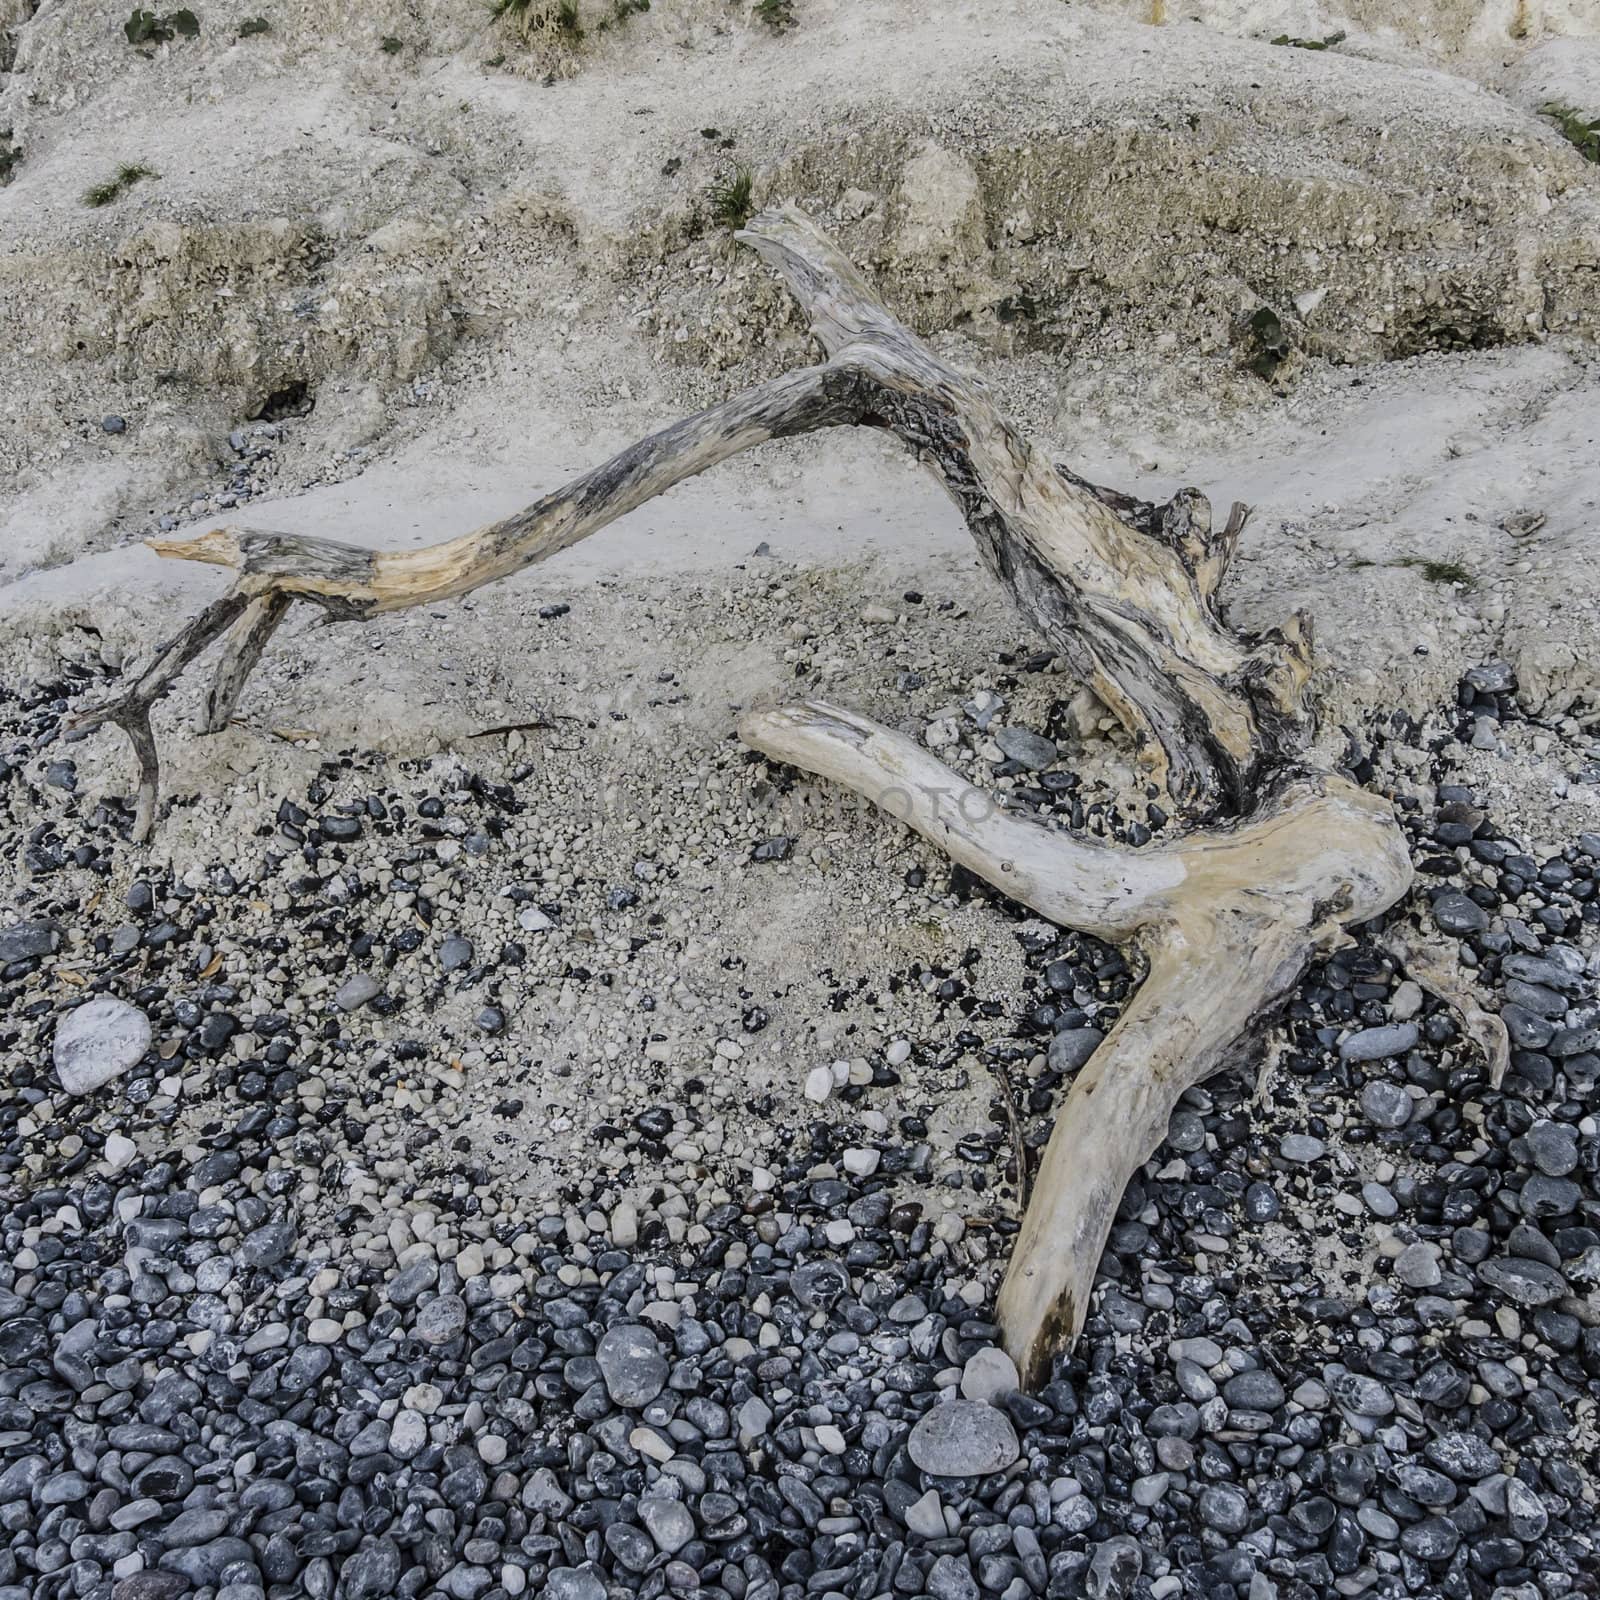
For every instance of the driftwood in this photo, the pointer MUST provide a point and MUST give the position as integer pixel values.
(1276, 855)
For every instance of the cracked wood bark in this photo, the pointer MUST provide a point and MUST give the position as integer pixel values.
(1279, 856)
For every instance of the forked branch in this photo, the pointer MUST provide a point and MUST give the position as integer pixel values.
(1126, 590)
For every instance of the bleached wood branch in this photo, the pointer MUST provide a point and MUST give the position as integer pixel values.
(1275, 857)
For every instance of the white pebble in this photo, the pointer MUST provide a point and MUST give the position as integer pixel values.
(861, 1163)
(650, 1443)
(424, 1397)
(119, 1151)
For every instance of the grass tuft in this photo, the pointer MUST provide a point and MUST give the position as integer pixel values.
(732, 198)
(559, 18)
(1438, 571)
(102, 194)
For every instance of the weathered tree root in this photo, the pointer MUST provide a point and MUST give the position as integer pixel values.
(1227, 918)
(1280, 855)
(1435, 968)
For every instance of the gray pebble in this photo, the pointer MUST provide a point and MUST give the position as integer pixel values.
(1379, 1044)
(631, 1364)
(442, 1319)
(1072, 1047)
(1456, 913)
(1033, 750)
(1385, 1104)
(355, 992)
(1301, 1148)
(963, 1438)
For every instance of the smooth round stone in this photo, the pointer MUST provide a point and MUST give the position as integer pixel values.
(1072, 1047)
(1552, 1145)
(988, 1374)
(1365, 1396)
(631, 1364)
(1378, 1044)
(668, 1521)
(1417, 1266)
(99, 1041)
(650, 1443)
(962, 1439)
(119, 1151)
(1385, 1104)
(1031, 749)
(408, 1433)
(1261, 1202)
(1301, 1148)
(1543, 1196)
(1434, 1538)
(1524, 1282)
(1186, 1131)
(409, 1283)
(1456, 913)
(455, 952)
(324, 1330)
(442, 1319)
(1256, 1390)
(573, 1583)
(425, 1398)
(1224, 1508)
(1525, 1511)
(355, 992)
(1202, 1351)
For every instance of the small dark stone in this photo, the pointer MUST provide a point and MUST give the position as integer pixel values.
(1457, 914)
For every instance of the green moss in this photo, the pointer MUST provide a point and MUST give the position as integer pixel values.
(102, 194)
(392, 46)
(251, 26)
(777, 14)
(1267, 342)
(1310, 44)
(1582, 133)
(145, 27)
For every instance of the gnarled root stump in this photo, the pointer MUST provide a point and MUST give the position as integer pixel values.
(1279, 856)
